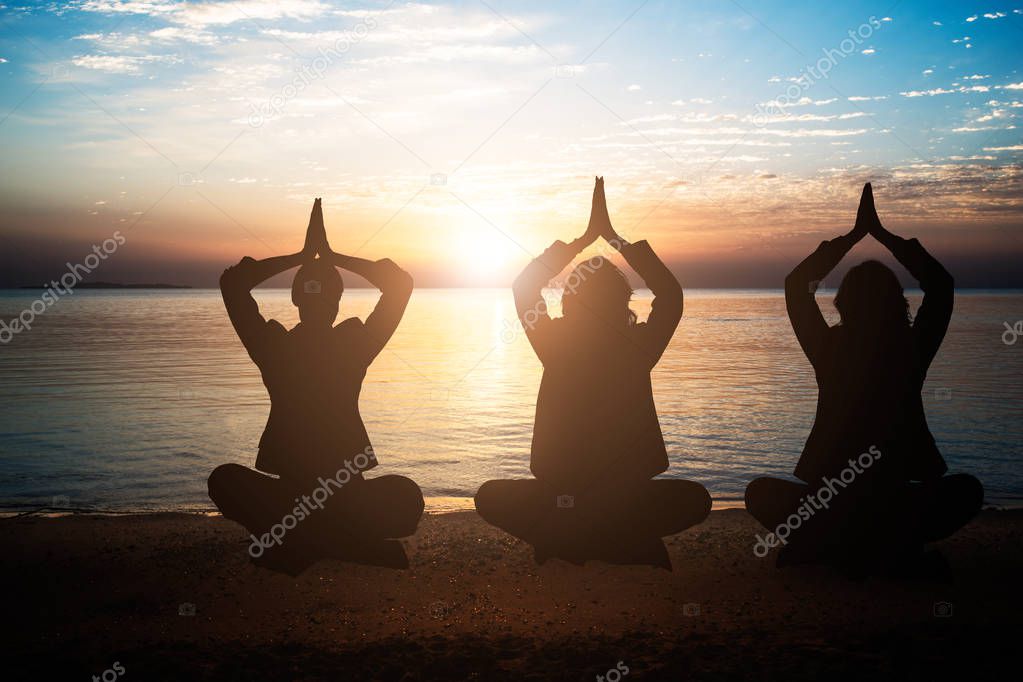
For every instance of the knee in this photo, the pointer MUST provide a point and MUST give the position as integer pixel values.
(409, 495)
(755, 493)
(705, 503)
(971, 492)
(697, 500)
(220, 480)
(485, 498)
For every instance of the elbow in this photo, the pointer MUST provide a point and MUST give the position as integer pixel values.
(404, 283)
(521, 283)
(674, 296)
(229, 277)
(398, 280)
(795, 283)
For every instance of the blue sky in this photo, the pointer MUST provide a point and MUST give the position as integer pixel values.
(462, 137)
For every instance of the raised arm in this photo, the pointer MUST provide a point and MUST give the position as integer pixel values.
(667, 306)
(528, 286)
(395, 287)
(801, 284)
(935, 311)
(238, 281)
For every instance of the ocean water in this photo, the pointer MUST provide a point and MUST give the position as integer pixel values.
(126, 400)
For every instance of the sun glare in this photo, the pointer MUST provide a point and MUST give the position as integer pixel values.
(485, 253)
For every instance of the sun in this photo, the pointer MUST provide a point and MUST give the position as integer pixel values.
(483, 254)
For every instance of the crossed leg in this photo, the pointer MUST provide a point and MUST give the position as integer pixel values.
(912, 515)
(352, 522)
(594, 526)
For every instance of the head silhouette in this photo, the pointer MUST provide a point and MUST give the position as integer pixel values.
(870, 299)
(316, 291)
(597, 291)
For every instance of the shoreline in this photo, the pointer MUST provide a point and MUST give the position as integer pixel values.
(435, 506)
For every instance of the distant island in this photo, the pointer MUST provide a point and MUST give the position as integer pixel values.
(116, 285)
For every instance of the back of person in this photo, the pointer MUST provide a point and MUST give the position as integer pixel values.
(871, 367)
(314, 378)
(869, 396)
(595, 412)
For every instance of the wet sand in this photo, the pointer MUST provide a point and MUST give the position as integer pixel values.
(90, 591)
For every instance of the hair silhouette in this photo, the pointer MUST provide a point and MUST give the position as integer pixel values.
(596, 437)
(870, 296)
(315, 441)
(870, 447)
(603, 294)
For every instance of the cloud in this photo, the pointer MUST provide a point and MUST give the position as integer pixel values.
(694, 100)
(634, 88)
(861, 98)
(869, 50)
(203, 14)
(1013, 148)
(801, 102)
(120, 63)
(961, 89)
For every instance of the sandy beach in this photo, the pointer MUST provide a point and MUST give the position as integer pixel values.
(92, 591)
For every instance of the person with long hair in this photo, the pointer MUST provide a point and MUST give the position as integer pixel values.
(597, 442)
(870, 446)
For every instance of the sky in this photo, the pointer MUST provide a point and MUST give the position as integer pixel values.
(460, 139)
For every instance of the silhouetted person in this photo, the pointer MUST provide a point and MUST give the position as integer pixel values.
(596, 439)
(870, 442)
(313, 373)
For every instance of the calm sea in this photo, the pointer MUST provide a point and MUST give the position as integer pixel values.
(126, 400)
